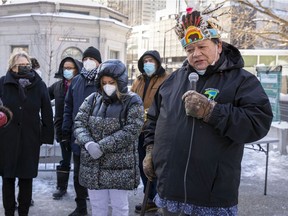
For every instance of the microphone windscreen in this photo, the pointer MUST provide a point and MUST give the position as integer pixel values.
(193, 77)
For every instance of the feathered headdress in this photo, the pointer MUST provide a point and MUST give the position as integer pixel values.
(194, 26)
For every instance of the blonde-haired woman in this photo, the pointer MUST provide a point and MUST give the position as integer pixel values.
(24, 93)
(107, 127)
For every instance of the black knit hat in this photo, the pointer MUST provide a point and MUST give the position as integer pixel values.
(93, 53)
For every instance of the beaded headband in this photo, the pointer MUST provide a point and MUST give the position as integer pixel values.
(193, 27)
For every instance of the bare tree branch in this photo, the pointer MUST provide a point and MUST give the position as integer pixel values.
(253, 23)
(262, 9)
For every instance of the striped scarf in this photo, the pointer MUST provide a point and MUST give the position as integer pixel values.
(89, 75)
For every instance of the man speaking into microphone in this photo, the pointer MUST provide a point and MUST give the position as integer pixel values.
(197, 128)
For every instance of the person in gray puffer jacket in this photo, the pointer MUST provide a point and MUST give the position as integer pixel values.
(107, 127)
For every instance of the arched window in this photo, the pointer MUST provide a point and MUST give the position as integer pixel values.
(72, 52)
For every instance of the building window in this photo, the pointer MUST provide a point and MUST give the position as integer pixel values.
(250, 60)
(72, 52)
(114, 54)
(267, 60)
(18, 48)
(283, 60)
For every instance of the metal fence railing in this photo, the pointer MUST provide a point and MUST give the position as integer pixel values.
(50, 155)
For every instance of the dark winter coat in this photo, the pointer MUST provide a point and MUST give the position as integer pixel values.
(57, 91)
(242, 114)
(31, 126)
(115, 125)
(79, 89)
(145, 86)
(6, 111)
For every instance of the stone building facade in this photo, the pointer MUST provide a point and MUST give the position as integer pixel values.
(51, 30)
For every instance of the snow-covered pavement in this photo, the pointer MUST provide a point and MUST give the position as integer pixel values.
(252, 202)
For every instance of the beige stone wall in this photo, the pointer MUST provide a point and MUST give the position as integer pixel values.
(42, 30)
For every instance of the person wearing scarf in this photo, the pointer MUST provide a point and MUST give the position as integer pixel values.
(24, 93)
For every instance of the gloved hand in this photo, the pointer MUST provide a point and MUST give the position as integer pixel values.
(148, 163)
(94, 150)
(5, 116)
(66, 144)
(197, 105)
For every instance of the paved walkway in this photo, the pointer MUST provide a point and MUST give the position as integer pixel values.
(252, 202)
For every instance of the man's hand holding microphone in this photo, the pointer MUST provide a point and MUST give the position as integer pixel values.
(196, 104)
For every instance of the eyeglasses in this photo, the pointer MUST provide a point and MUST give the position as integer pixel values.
(23, 65)
(68, 68)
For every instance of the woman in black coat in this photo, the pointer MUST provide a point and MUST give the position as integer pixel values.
(26, 95)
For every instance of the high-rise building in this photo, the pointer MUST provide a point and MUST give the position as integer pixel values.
(160, 34)
(140, 12)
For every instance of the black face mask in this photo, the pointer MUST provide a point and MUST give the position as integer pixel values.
(24, 69)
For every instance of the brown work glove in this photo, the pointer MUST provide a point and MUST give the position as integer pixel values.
(148, 164)
(197, 105)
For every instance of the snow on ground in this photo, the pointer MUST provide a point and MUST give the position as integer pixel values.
(252, 202)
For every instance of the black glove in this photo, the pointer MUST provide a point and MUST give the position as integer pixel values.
(66, 140)
(66, 144)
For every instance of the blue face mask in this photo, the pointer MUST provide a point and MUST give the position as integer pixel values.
(149, 68)
(201, 72)
(68, 74)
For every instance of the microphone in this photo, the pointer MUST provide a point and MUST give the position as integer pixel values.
(193, 78)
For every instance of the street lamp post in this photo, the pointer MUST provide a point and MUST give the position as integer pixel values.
(130, 50)
(164, 49)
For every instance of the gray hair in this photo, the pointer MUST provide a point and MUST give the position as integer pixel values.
(15, 56)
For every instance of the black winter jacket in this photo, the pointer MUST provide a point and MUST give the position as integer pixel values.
(57, 92)
(79, 89)
(242, 114)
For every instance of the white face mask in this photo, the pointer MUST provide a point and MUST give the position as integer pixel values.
(89, 64)
(109, 89)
